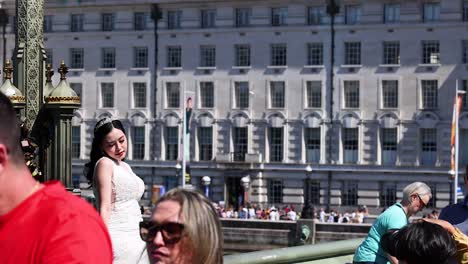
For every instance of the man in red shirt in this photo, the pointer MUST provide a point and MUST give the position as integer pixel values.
(42, 223)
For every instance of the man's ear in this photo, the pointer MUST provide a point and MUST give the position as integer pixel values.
(3, 157)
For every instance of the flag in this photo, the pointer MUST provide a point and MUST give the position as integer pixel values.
(456, 112)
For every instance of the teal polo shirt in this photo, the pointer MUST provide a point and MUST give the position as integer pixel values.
(370, 250)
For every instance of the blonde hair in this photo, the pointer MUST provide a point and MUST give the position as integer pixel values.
(201, 223)
(419, 188)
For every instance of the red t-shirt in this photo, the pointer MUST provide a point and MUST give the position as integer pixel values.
(53, 226)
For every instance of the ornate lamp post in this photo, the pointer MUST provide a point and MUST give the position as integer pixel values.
(3, 23)
(206, 182)
(308, 170)
(245, 183)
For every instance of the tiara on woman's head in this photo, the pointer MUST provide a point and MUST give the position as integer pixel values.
(102, 122)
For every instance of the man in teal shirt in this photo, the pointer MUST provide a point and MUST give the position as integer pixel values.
(415, 198)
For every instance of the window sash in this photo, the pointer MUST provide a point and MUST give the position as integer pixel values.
(390, 93)
(351, 94)
(391, 52)
(314, 192)
(428, 146)
(139, 94)
(312, 144)
(464, 87)
(429, 94)
(431, 52)
(315, 15)
(174, 56)
(172, 143)
(388, 194)
(391, 13)
(431, 12)
(47, 23)
(77, 87)
(314, 94)
(205, 141)
(463, 152)
(77, 58)
(208, 18)
(275, 191)
(138, 149)
(349, 196)
(139, 21)
(315, 54)
(242, 55)
(278, 55)
(465, 11)
(242, 94)
(389, 146)
(108, 57)
(107, 90)
(174, 19)
(76, 142)
(140, 55)
(240, 140)
(77, 21)
(208, 56)
(277, 94)
(243, 17)
(353, 53)
(107, 22)
(207, 94)
(465, 51)
(173, 94)
(279, 16)
(49, 54)
(353, 14)
(350, 145)
(276, 144)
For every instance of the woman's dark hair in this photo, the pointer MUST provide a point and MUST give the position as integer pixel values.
(102, 128)
(420, 242)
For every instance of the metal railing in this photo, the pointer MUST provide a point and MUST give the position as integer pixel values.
(297, 254)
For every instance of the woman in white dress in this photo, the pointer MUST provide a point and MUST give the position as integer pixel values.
(117, 190)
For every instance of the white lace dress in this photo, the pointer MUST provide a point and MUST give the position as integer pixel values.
(125, 216)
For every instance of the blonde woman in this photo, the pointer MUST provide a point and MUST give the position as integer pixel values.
(184, 228)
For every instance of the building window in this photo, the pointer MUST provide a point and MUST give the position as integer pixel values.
(431, 12)
(243, 17)
(276, 144)
(312, 144)
(77, 21)
(139, 94)
(465, 11)
(205, 140)
(391, 53)
(78, 88)
(208, 18)
(170, 182)
(279, 16)
(172, 143)
(314, 192)
(242, 55)
(139, 21)
(314, 94)
(389, 146)
(174, 19)
(350, 145)
(349, 194)
(207, 56)
(428, 146)
(275, 191)
(315, 15)
(352, 14)
(173, 94)
(314, 54)
(240, 143)
(352, 53)
(76, 142)
(463, 141)
(391, 13)
(387, 194)
(390, 94)
(107, 22)
(140, 57)
(77, 58)
(429, 94)
(278, 55)
(138, 147)
(48, 23)
(241, 94)
(277, 94)
(465, 51)
(207, 94)
(351, 94)
(430, 52)
(107, 92)
(108, 58)
(50, 56)
(174, 56)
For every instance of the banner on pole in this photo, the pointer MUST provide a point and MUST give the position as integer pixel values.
(456, 112)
